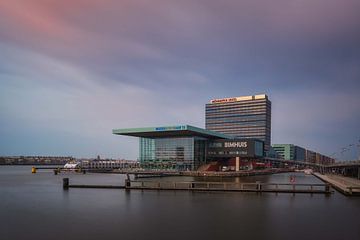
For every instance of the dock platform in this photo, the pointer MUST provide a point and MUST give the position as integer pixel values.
(256, 187)
(345, 185)
(230, 187)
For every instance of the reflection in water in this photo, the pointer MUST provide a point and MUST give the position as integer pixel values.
(34, 206)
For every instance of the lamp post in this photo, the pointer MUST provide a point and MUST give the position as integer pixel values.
(358, 150)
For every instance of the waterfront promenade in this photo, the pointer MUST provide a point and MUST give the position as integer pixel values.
(346, 185)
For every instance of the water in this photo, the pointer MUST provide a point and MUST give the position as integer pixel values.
(34, 206)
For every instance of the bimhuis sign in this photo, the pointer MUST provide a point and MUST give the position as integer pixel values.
(231, 148)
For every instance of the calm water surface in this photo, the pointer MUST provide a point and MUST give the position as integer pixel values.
(34, 206)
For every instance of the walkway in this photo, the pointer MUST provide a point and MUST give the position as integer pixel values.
(346, 185)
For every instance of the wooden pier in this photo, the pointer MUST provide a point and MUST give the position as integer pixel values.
(342, 184)
(229, 187)
(67, 185)
(213, 187)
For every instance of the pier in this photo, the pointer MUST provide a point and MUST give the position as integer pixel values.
(256, 187)
(347, 186)
(230, 187)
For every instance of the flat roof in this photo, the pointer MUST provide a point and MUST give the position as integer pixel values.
(170, 131)
(238, 99)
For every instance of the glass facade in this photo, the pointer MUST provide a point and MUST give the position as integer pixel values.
(249, 118)
(178, 152)
(259, 148)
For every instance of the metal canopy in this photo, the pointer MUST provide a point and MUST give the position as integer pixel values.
(170, 131)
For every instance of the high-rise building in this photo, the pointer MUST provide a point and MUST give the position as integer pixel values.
(241, 117)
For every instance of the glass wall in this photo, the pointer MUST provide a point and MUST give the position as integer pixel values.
(259, 149)
(183, 153)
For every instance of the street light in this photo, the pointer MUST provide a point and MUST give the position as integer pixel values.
(358, 149)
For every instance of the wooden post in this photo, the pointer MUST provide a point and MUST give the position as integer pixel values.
(127, 183)
(237, 164)
(258, 186)
(327, 187)
(65, 183)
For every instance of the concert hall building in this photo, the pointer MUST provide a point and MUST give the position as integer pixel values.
(236, 128)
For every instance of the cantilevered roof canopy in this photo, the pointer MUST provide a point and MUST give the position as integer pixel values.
(170, 131)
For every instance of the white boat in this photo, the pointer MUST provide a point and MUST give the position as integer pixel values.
(308, 171)
(72, 165)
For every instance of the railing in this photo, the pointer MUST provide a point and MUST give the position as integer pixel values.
(213, 186)
(229, 186)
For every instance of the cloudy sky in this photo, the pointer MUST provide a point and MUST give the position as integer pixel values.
(72, 70)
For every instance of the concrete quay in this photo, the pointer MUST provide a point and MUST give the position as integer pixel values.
(347, 186)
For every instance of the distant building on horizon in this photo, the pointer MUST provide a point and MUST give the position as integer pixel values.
(290, 152)
(241, 117)
(297, 153)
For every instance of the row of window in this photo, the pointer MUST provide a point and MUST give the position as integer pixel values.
(232, 125)
(239, 118)
(212, 111)
(231, 128)
(231, 109)
(244, 103)
(235, 132)
(250, 108)
(235, 126)
(252, 123)
(235, 113)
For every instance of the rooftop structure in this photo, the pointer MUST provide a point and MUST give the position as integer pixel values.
(170, 131)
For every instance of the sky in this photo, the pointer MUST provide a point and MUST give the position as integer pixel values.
(73, 70)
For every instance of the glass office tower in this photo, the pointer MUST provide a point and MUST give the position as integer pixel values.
(241, 117)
